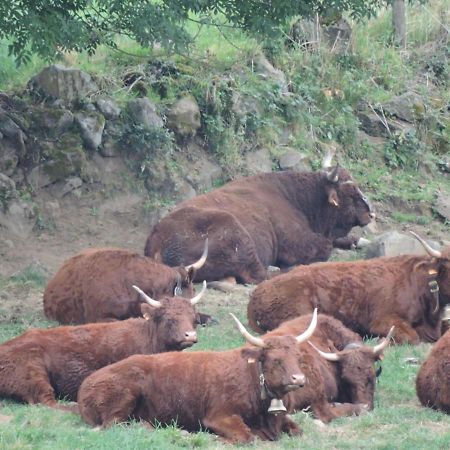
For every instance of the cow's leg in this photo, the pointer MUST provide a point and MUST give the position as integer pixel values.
(231, 428)
(346, 243)
(290, 427)
(404, 333)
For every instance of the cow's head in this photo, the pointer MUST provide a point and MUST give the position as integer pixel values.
(278, 358)
(185, 274)
(172, 319)
(438, 268)
(344, 196)
(357, 372)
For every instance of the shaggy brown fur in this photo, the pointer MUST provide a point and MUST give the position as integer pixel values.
(96, 286)
(42, 364)
(349, 381)
(367, 296)
(280, 219)
(219, 391)
(433, 379)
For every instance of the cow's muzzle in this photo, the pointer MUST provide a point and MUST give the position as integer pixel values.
(297, 381)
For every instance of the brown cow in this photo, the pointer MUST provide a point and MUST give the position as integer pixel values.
(345, 375)
(42, 364)
(281, 219)
(96, 285)
(433, 379)
(367, 296)
(226, 392)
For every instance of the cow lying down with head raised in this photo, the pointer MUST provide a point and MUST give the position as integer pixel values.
(96, 285)
(226, 392)
(433, 379)
(406, 291)
(338, 368)
(44, 364)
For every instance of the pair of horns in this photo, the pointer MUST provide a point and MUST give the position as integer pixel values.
(377, 350)
(431, 251)
(198, 264)
(258, 342)
(157, 304)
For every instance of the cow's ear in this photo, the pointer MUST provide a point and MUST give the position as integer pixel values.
(147, 311)
(251, 354)
(190, 275)
(333, 197)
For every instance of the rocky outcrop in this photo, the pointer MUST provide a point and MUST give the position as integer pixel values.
(183, 117)
(143, 111)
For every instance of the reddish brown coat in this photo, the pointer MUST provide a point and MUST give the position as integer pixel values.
(96, 286)
(42, 364)
(367, 296)
(433, 379)
(349, 381)
(279, 218)
(219, 391)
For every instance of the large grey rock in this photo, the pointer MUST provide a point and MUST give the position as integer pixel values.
(183, 116)
(52, 121)
(7, 191)
(265, 69)
(393, 243)
(8, 156)
(64, 83)
(143, 111)
(108, 108)
(204, 174)
(293, 160)
(442, 204)
(71, 184)
(19, 218)
(408, 106)
(339, 36)
(92, 125)
(377, 125)
(258, 161)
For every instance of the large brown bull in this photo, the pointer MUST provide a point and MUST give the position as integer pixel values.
(340, 368)
(226, 392)
(44, 364)
(96, 285)
(408, 292)
(433, 379)
(280, 219)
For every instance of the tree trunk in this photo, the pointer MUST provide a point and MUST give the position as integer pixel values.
(399, 22)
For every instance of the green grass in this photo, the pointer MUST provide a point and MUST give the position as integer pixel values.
(397, 422)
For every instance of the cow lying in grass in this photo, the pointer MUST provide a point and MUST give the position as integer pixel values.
(44, 364)
(407, 291)
(433, 379)
(226, 392)
(96, 285)
(340, 368)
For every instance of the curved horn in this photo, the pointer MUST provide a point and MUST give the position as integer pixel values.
(198, 264)
(429, 250)
(310, 330)
(148, 299)
(378, 349)
(196, 299)
(328, 356)
(258, 342)
(333, 176)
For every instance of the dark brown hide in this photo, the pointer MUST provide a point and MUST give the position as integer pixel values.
(433, 379)
(349, 381)
(42, 364)
(367, 296)
(219, 391)
(96, 286)
(280, 219)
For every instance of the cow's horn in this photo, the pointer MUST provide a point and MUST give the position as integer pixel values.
(308, 333)
(198, 264)
(258, 342)
(333, 176)
(196, 299)
(328, 356)
(148, 299)
(429, 250)
(378, 349)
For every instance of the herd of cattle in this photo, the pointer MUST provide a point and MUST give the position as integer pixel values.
(128, 316)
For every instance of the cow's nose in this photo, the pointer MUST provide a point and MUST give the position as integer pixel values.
(372, 215)
(190, 336)
(299, 379)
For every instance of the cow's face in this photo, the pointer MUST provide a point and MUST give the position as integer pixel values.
(444, 276)
(358, 376)
(280, 364)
